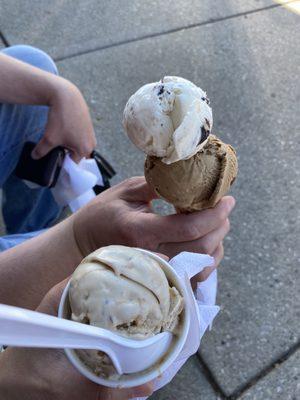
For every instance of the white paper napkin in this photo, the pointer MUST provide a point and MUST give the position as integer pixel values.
(202, 306)
(75, 183)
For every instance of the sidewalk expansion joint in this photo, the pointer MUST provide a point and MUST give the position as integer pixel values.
(169, 31)
(4, 40)
(252, 382)
(266, 371)
(211, 379)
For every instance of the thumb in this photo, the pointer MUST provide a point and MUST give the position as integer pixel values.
(42, 148)
(141, 391)
(50, 303)
(137, 189)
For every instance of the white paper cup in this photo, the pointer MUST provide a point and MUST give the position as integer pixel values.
(139, 378)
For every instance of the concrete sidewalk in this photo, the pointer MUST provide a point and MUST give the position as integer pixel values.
(245, 54)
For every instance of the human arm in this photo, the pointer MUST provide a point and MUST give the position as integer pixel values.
(69, 123)
(28, 271)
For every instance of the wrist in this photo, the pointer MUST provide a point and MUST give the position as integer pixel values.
(59, 90)
(85, 235)
(65, 236)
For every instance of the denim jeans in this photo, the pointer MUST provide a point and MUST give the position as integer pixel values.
(26, 212)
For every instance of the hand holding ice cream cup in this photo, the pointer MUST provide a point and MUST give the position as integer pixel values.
(171, 122)
(131, 292)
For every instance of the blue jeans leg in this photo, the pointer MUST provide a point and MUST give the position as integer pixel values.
(24, 209)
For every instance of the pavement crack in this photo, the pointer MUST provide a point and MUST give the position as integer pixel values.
(4, 40)
(252, 382)
(266, 371)
(167, 32)
(211, 379)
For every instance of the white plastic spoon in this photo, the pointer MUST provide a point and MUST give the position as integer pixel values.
(24, 328)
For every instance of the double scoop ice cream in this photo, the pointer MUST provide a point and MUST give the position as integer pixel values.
(126, 291)
(171, 121)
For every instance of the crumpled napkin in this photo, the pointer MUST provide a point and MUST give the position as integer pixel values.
(75, 183)
(202, 306)
(74, 186)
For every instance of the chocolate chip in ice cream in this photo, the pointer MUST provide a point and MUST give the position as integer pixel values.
(161, 90)
(206, 99)
(204, 135)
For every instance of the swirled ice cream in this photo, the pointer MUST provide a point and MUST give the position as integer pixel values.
(126, 291)
(170, 119)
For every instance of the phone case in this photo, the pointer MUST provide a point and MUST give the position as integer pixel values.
(44, 171)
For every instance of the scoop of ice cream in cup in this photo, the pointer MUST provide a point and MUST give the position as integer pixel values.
(131, 292)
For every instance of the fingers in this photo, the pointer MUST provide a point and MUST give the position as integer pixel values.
(190, 227)
(206, 244)
(42, 148)
(50, 302)
(80, 141)
(82, 148)
(141, 391)
(45, 145)
(125, 394)
(218, 254)
(204, 274)
(163, 256)
(75, 156)
(211, 241)
(136, 189)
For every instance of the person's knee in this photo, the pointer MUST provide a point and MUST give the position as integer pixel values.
(32, 55)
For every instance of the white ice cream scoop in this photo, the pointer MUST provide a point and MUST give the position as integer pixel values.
(170, 119)
(25, 328)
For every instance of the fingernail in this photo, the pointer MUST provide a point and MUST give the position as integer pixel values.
(34, 155)
(142, 391)
(231, 203)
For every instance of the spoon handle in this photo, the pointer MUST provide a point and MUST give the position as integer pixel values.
(26, 328)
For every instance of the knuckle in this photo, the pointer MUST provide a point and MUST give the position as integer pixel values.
(132, 182)
(222, 213)
(49, 141)
(144, 238)
(190, 232)
(128, 232)
(136, 235)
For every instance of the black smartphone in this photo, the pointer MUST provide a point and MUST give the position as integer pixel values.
(44, 171)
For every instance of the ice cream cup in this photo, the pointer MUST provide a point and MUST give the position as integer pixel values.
(139, 378)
